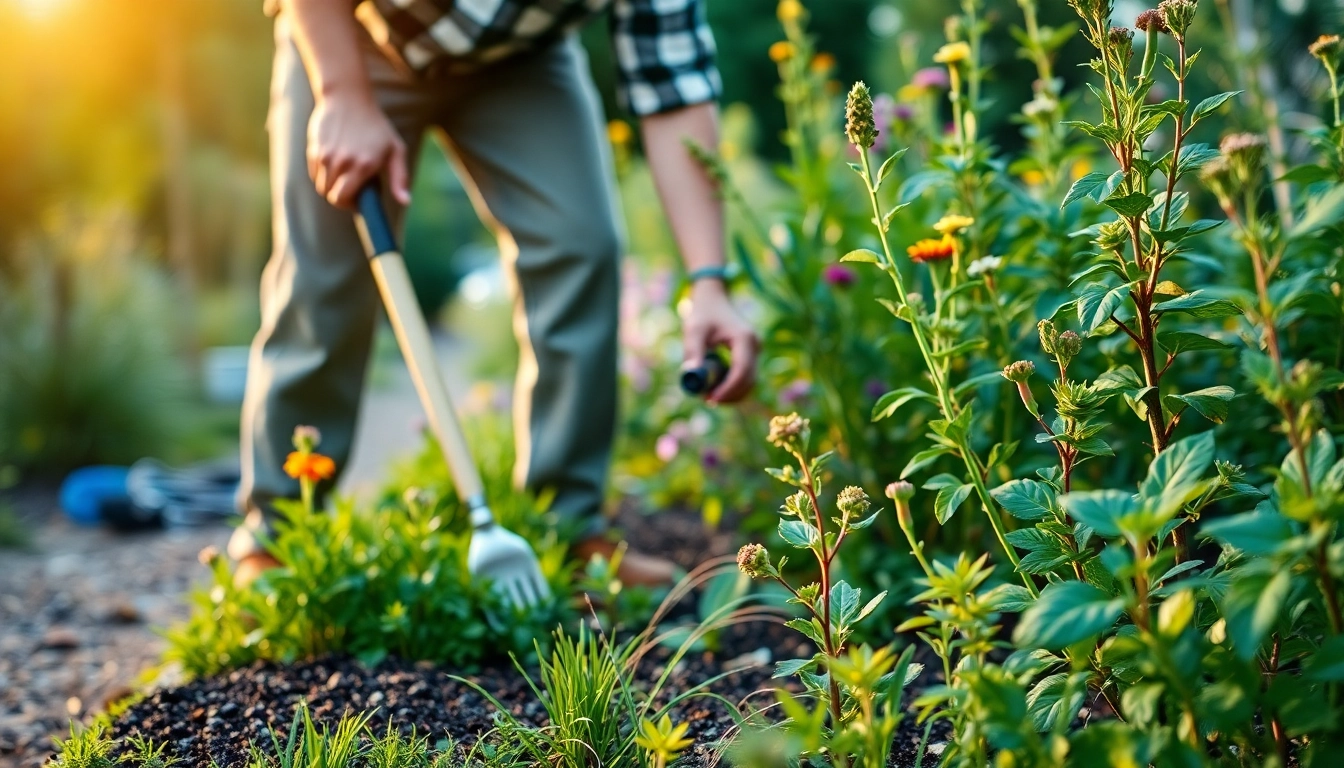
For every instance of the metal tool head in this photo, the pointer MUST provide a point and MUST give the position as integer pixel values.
(506, 560)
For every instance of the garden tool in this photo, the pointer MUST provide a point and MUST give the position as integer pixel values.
(501, 556)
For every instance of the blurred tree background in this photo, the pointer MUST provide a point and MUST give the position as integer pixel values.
(134, 195)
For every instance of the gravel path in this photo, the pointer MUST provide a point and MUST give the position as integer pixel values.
(77, 618)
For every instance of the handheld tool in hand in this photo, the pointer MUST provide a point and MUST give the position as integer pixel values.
(501, 556)
(702, 379)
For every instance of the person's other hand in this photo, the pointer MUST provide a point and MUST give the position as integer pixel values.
(712, 320)
(350, 141)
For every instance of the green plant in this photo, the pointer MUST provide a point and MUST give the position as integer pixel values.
(621, 605)
(857, 690)
(86, 748)
(387, 580)
(146, 753)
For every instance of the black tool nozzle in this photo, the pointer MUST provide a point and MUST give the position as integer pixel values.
(702, 379)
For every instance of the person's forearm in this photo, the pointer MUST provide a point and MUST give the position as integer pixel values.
(694, 210)
(327, 36)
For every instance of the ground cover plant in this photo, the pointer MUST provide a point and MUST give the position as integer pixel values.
(1106, 441)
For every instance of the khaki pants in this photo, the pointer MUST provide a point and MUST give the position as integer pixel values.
(529, 142)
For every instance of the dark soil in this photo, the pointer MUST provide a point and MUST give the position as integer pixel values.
(216, 719)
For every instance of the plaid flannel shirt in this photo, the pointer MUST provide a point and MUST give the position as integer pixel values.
(664, 49)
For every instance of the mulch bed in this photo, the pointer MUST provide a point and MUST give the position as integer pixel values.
(216, 719)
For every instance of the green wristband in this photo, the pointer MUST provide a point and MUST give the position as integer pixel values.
(708, 273)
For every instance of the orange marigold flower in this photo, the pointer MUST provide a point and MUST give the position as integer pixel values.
(822, 63)
(782, 51)
(931, 250)
(302, 465)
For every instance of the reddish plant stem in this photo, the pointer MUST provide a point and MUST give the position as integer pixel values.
(825, 561)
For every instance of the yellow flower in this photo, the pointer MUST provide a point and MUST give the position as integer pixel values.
(953, 223)
(823, 63)
(782, 51)
(952, 53)
(789, 10)
(305, 465)
(908, 93)
(1033, 177)
(619, 133)
(931, 250)
(663, 739)
(1081, 167)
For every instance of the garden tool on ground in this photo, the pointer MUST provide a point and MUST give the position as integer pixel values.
(501, 556)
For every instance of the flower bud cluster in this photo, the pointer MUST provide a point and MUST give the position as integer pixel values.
(1177, 15)
(852, 501)
(1327, 49)
(754, 560)
(860, 126)
(1096, 12)
(1151, 20)
(1245, 155)
(1112, 235)
(789, 432)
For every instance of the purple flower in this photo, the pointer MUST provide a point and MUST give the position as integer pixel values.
(930, 77)
(884, 114)
(795, 391)
(710, 459)
(838, 275)
(875, 388)
(904, 113)
(666, 448)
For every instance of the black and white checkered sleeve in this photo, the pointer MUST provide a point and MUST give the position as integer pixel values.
(664, 54)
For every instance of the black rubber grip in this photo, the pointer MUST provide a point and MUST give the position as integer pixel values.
(374, 228)
(702, 379)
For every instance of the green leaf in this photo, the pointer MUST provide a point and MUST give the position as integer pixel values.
(1030, 539)
(961, 348)
(1025, 499)
(844, 602)
(887, 165)
(1066, 613)
(1010, 598)
(1255, 533)
(791, 667)
(1210, 402)
(871, 606)
(1097, 303)
(1083, 187)
(1200, 305)
(1101, 511)
(1176, 342)
(889, 403)
(1327, 663)
(1252, 605)
(799, 533)
(863, 256)
(923, 459)
(949, 499)
(1322, 210)
(1046, 704)
(1131, 205)
(1207, 106)
(1177, 469)
(1308, 174)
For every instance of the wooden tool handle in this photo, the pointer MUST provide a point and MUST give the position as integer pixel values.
(394, 284)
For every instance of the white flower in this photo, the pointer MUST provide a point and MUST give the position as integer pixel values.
(984, 265)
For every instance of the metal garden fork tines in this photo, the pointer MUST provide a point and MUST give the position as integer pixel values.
(501, 556)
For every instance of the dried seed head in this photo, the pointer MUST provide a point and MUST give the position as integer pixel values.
(1019, 371)
(852, 501)
(788, 432)
(1121, 42)
(859, 124)
(753, 560)
(1178, 15)
(1151, 18)
(1327, 48)
(1112, 235)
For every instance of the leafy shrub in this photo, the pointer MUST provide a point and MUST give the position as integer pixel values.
(87, 372)
(391, 579)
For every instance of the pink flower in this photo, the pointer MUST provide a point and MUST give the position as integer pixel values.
(930, 77)
(795, 391)
(884, 114)
(838, 275)
(904, 113)
(666, 447)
